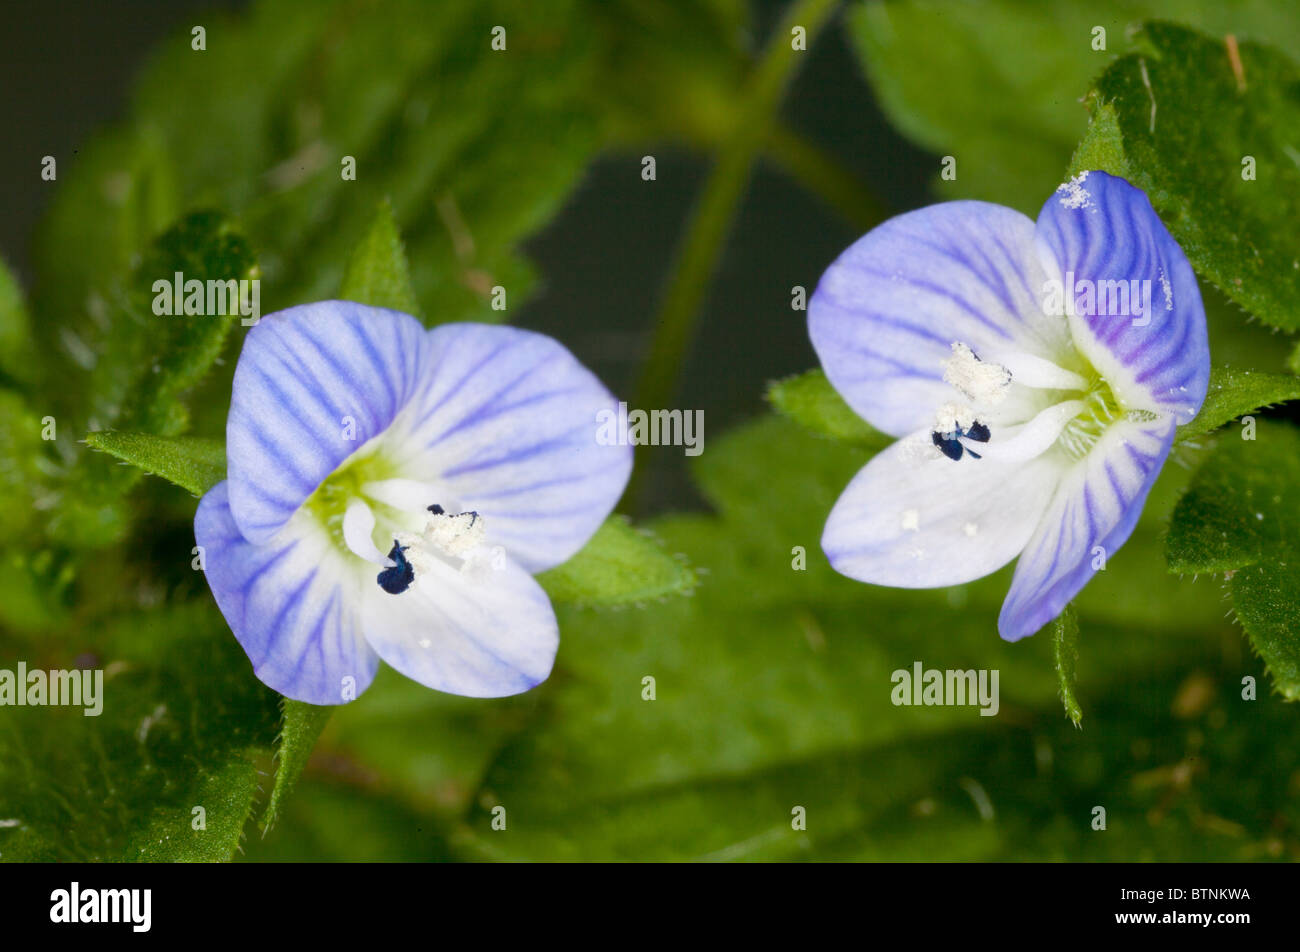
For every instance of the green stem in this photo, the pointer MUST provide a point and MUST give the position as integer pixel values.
(701, 249)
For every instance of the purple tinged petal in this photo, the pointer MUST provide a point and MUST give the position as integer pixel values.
(312, 385)
(886, 312)
(1102, 229)
(1097, 504)
(292, 603)
(509, 422)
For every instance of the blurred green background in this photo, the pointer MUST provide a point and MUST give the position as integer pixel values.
(523, 168)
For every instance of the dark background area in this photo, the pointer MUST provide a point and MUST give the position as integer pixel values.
(67, 68)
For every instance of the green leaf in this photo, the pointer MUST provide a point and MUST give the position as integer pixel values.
(148, 362)
(17, 355)
(377, 273)
(1065, 653)
(1241, 517)
(1004, 79)
(193, 463)
(1228, 189)
(1235, 392)
(811, 401)
(1102, 146)
(302, 727)
(173, 835)
(432, 118)
(22, 474)
(181, 721)
(620, 565)
(710, 771)
(174, 350)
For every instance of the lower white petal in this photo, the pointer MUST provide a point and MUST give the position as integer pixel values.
(914, 519)
(487, 633)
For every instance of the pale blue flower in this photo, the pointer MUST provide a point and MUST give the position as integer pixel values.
(392, 490)
(1035, 398)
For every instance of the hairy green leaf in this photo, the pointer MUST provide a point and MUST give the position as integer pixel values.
(810, 400)
(620, 565)
(1241, 518)
(1065, 653)
(1228, 189)
(377, 273)
(193, 463)
(180, 716)
(1236, 392)
(301, 729)
(1003, 80)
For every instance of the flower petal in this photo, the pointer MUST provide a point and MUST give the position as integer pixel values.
(1100, 228)
(1097, 504)
(507, 423)
(485, 636)
(885, 314)
(312, 385)
(291, 603)
(911, 519)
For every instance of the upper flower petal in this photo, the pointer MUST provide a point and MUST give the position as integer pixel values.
(291, 602)
(518, 444)
(489, 636)
(1097, 504)
(913, 521)
(886, 312)
(313, 383)
(1100, 228)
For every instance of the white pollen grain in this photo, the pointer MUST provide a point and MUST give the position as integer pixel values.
(1076, 196)
(979, 381)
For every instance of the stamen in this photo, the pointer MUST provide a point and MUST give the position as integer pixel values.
(980, 382)
(397, 579)
(954, 417)
(358, 529)
(450, 538)
(1040, 373)
(954, 422)
(1034, 438)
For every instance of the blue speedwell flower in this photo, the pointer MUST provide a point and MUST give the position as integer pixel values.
(390, 489)
(1034, 374)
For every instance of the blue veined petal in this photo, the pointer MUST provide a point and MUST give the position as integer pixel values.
(1101, 228)
(912, 521)
(488, 635)
(885, 314)
(508, 423)
(312, 385)
(292, 602)
(1097, 504)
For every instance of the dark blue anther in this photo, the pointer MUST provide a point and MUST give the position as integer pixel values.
(398, 579)
(950, 443)
(436, 509)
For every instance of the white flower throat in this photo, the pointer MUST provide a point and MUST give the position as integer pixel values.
(1017, 406)
(424, 541)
